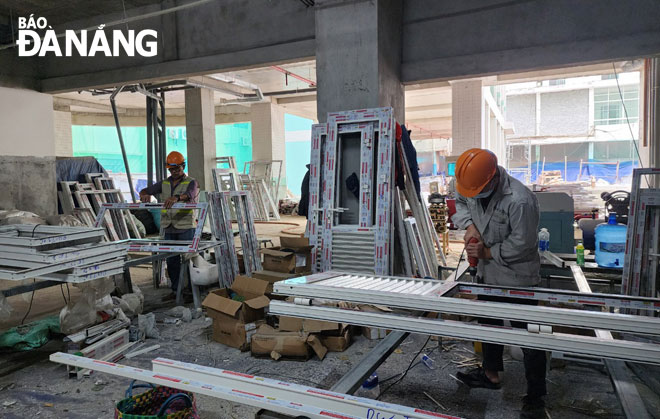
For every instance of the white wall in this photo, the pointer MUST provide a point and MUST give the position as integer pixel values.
(26, 118)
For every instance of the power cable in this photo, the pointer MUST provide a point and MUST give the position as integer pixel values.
(625, 111)
(406, 371)
(30, 306)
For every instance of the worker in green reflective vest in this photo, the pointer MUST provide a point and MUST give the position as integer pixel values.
(175, 224)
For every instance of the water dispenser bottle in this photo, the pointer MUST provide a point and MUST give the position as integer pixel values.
(610, 243)
(544, 239)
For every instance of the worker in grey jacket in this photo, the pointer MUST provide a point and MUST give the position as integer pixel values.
(503, 215)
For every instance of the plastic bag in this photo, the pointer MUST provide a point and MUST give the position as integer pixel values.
(147, 325)
(95, 297)
(5, 308)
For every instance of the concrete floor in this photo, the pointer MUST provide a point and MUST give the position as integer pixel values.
(31, 386)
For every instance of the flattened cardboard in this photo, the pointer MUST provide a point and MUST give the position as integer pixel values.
(317, 346)
(293, 324)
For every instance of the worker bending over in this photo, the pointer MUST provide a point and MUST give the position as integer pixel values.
(175, 224)
(503, 215)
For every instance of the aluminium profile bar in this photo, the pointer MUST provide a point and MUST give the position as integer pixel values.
(561, 296)
(282, 397)
(631, 402)
(39, 270)
(82, 278)
(575, 344)
(367, 294)
(57, 255)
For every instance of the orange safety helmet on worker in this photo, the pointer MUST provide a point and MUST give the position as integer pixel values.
(475, 168)
(175, 159)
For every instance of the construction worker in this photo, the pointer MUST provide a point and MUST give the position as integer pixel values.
(175, 224)
(503, 215)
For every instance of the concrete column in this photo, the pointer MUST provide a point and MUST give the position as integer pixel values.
(268, 143)
(27, 152)
(200, 132)
(63, 136)
(358, 56)
(467, 105)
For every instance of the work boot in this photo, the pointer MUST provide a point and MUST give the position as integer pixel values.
(477, 378)
(534, 408)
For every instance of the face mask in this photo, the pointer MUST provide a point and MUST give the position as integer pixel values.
(482, 194)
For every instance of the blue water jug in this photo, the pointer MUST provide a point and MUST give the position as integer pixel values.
(610, 243)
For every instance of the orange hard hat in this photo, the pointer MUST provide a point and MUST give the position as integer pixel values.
(474, 169)
(175, 159)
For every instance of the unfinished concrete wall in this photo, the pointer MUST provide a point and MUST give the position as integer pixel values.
(27, 151)
(268, 139)
(467, 130)
(565, 113)
(63, 136)
(521, 111)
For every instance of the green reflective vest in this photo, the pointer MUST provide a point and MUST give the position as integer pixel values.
(179, 219)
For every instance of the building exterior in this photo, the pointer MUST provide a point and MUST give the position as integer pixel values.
(564, 122)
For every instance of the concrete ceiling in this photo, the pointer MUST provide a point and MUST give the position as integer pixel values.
(428, 106)
(59, 11)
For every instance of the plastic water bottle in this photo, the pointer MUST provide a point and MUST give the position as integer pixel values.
(428, 361)
(579, 254)
(370, 389)
(610, 243)
(544, 239)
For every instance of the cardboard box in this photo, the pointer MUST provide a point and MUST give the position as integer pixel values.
(373, 333)
(293, 324)
(278, 260)
(271, 277)
(276, 344)
(234, 333)
(302, 250)
(230, 317)
(337, 343)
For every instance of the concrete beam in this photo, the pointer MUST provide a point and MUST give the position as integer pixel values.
(522, 35)
(296, 99)
(193, 42)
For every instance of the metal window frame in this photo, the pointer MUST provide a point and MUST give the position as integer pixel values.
(575, 344)
(137, 245)
(278, 396)
(49, 237)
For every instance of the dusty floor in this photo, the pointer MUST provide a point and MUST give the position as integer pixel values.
(31, 386)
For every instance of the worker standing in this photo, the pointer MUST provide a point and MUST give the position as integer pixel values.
(503, 216)
(175, 224)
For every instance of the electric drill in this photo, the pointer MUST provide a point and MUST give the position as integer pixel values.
(472, 270)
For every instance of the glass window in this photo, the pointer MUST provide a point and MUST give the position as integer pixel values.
(608, 109)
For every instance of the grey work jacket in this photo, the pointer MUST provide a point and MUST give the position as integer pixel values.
(509, 227)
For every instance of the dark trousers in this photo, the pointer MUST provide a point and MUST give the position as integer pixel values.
(174, 262)
(534, 360)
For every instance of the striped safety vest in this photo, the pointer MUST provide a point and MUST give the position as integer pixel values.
(179, 219)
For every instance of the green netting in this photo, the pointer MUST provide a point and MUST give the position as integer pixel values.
(103, 143)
